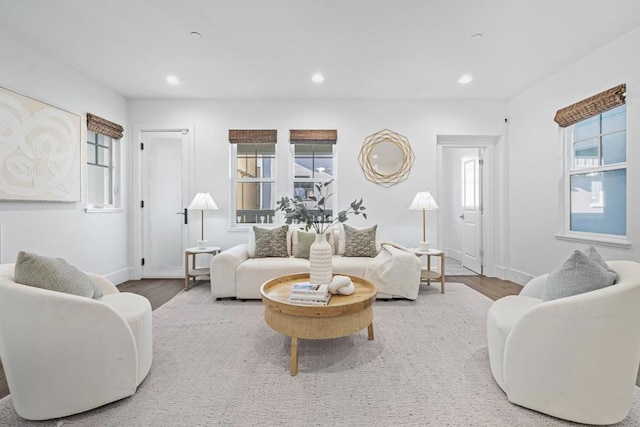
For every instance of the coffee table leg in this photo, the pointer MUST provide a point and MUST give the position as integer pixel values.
(370, 330)
(294, 356)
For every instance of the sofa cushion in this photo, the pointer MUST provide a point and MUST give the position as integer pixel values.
(577, 275)
(251, 243)
(360, 243)
(271, 242)
(252, 273)
(54, 274)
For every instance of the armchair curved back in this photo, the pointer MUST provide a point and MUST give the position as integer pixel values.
(62, 353)
(581, 351)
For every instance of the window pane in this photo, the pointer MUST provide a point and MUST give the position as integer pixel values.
(99, 185)
(614, 148)
(614, 120)
(103, 156)
(585, 154)
(323, 149)
(303, 167)
(254, 202)
(323, 168)
(255, 160)
(586, 128)
(304, 190)
(598, 202)
(91, 153)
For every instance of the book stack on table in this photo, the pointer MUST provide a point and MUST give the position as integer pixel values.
(306, 293)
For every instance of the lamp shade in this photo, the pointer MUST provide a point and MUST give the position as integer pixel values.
(203, 201)
(423, 201)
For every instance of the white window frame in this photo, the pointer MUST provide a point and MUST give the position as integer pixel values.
(114, 170)
(233, 172)
(568, 172)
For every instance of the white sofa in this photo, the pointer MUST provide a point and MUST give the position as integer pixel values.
(574, 358)
(395, 272)
(64, 354)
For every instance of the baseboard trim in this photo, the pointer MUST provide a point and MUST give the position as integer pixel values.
(120, 276)
(453, 253)
(519, 277)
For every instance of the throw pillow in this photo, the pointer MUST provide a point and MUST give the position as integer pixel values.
(577, 275)
(302, 241)
(360, 243)
(251, 246)
(271, 242)
(595, 256)
(54, 274)
(340, 240)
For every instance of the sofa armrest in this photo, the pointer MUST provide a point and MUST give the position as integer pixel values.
(535, 287)
(223, 270)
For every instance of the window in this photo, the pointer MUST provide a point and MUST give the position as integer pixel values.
(102, 163)
(253, 154)
(597, 174)
(312, 165)
(254, 171)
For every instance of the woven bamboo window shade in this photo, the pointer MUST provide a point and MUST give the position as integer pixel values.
(103, 126)
(253, 136)
(591, 106)
(311, 136)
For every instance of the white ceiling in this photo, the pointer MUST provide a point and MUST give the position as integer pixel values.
(365, 48)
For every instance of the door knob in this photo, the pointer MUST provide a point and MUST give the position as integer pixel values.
(461, 216)
(186, 216)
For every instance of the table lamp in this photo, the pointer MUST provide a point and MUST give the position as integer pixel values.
(202, 201)
(423, 202)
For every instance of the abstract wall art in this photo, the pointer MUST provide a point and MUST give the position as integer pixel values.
(40, 151)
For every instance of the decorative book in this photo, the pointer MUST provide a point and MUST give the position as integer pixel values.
(309, 299)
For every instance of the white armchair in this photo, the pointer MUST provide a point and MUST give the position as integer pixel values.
(64, 354)
(574, 358)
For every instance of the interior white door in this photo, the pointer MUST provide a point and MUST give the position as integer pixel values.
(472, 215)
(164, 192)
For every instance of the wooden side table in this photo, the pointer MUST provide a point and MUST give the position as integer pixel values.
(193, 271)
(427, 274)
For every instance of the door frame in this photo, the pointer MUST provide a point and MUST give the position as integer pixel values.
(136, 191)
(490, 148)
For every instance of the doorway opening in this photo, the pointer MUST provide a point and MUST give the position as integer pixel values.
(466, 199)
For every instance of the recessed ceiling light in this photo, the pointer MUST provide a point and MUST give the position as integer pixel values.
(317, 78)
(173, 80)
(195, 34)
(465, 79)
(477, 36)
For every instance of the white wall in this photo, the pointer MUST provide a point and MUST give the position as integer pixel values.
(534, 165)
(419, 121)
(93, 242)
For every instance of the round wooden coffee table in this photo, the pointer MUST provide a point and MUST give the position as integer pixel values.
(344, 315)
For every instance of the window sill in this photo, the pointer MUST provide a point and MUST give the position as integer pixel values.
(613, 242)
(103, 210)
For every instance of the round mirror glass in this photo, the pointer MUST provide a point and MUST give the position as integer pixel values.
(386, 158)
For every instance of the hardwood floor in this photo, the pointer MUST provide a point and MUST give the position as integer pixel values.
(159, 291)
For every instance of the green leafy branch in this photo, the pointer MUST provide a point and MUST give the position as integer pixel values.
(296, 211)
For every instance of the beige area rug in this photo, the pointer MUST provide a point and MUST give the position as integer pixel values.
(217, 363)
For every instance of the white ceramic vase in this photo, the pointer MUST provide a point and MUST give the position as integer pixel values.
(320, 253)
